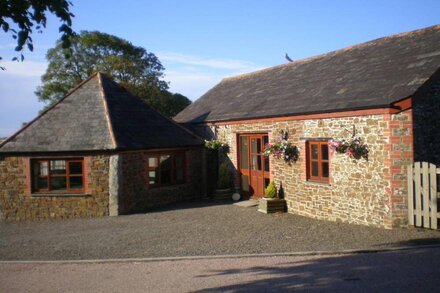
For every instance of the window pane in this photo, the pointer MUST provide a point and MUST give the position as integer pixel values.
(314, 151)
(244, 164)
(165, 161)
(256, 162)
(152, 162)
(179, 168)
(253, 145)
(245, 183)
(75, 168)
(58, 183)
(76, 182)
(325, 170)
(165, 176)
(58, 167)
(266, 164)
(40, 183)
(152, 178)
(165, 169)
(40, 168)
(315, 169)
(324, 151)
(265, 140)
(258, 145)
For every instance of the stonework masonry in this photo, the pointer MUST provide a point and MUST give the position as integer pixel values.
(363, 192)
(138, 196)
(17, 203)
(114, 184)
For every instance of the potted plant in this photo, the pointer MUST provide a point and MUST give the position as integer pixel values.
(270, 203)
(224, 183)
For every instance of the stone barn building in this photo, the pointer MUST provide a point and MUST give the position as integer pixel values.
(98, 151)
(386, 91)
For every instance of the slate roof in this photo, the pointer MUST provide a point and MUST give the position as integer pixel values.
(99, 115)
(370, 75)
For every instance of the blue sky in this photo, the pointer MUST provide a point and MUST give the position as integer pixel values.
(201, 42)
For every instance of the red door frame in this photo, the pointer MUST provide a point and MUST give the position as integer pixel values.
(247, 172)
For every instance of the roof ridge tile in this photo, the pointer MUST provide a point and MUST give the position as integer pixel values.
(106, 111)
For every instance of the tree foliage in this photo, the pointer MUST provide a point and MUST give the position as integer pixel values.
(167, 103)
(133, 67)
(28, 15)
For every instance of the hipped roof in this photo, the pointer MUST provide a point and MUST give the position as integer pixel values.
(99, 115)
(370, 75)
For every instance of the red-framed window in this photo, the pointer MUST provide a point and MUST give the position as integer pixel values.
(166, 169)
(318, 164)
(57, 175)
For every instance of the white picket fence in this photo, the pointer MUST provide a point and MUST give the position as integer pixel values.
(423, 195)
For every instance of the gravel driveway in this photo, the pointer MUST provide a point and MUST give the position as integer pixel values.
(190, 229)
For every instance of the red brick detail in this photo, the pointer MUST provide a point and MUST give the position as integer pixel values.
(401, 154)
(303, 160)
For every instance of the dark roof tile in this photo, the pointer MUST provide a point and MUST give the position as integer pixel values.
(369, 75)
(98, 115)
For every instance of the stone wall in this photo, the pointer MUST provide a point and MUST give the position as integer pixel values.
(17, 203)
(426, 106)
(361, 192)
(136, 194)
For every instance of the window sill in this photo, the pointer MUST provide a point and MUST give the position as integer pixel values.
(59, 195)
(316, 183)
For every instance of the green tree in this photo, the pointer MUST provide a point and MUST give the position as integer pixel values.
(167, 103)
(133, 67)
(26, 14)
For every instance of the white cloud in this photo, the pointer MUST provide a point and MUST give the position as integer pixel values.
(26, 68)
(229, 64)
(191, 83)
(8, 46)
(192, 76)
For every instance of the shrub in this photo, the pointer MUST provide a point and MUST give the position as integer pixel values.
(214, 144)
(224, 178)
(271, 190)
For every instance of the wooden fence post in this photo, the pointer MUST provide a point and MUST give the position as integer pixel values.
(423, 195)
(411, 195)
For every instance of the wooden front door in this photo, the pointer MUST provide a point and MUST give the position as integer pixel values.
(254, 167)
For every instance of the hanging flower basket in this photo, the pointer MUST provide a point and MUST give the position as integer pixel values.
(354, 148)
(282, 150)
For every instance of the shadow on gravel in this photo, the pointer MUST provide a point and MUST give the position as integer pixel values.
(413, 242)
(197, 203)
(398, 271)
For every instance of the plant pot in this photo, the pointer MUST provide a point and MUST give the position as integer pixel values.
(222, 194)
(272, 205)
